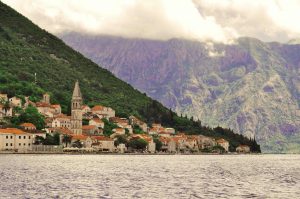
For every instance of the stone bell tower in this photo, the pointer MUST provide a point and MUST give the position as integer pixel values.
(76, 114)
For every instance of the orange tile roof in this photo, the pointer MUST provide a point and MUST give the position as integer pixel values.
(62, 116)
(62, 130)
(12, 131)
(79, 137)
(221, 140)
(55, 106)
(97, 108)
(42, 104)
(84, 106)
(88, 127)
(28, 125)
(102, 138)
(98, 120)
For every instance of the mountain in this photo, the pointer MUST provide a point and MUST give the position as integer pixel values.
(249, 86)
(26, 49)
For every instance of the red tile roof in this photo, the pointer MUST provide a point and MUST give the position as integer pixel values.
(28, 125)
(12, 131)
(97, 108)
(88, 127)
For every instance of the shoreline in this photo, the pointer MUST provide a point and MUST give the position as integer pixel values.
(117, 154)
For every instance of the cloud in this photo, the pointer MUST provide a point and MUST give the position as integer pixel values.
(217, 20)
(268, 20)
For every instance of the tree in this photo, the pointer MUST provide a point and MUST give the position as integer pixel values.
(158, 144)
(139, 144)
(51, 139)
(32, 115)
(67, 139)
(137, 129)
(108, 127)
(121, 139)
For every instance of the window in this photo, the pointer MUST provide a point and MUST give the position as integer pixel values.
(19, 137)
(7, 137)
(29, 144)
(19, 144)
(11, 137)
(24, 144)
(6, 144)
(29, 137)
(10, 144)
(24, 137)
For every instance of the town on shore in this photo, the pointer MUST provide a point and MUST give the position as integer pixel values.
(41, 127)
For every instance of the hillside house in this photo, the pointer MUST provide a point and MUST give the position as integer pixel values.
(61, 120)
(98, 109)
(15, 102)
(3, 97)
(5, 111)
(243, 149)
(103, 144)
(91, 130)
(85, 109)
(223, 143)
(97, 122)
(28, 126)
(135, 121)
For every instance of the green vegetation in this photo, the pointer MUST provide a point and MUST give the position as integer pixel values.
(121, 139)
(67, 139)
(138, 144)
(158, 144)
(31, 115)
(137, 130)
(49, 140)
(26, 49)
(108, 127)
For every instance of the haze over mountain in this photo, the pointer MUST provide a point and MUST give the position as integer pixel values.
(250, 86)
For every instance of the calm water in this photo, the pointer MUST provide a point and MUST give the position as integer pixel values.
(122, 176)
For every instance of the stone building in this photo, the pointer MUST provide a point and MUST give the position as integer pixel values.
(76, 114)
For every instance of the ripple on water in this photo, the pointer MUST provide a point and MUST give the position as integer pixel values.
(109, 176)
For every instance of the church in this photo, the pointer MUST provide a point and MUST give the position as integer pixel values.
(76, 111)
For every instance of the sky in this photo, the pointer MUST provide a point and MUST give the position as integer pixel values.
(213, 20)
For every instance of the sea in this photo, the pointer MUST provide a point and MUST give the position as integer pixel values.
(149, 176)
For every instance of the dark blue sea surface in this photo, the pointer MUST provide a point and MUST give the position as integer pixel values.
(149, 176)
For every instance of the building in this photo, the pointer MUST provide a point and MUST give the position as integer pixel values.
(151, 147)
(15, 101)
(103, 144)
(243, 149)
(85, 109)
(135, 121)
(86, 141)
(5, 111)
(205, 142)
(55, 109)
(3, 97)
(46, 98)
(223, 143)
(12, 139)
(91, 130)
(76, 110)
(28, 126)
(120, 122)
(61, 120)
(102, 110)
(97, 122)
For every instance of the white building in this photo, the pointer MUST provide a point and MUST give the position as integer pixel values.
(12, 139)
(15, 101)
